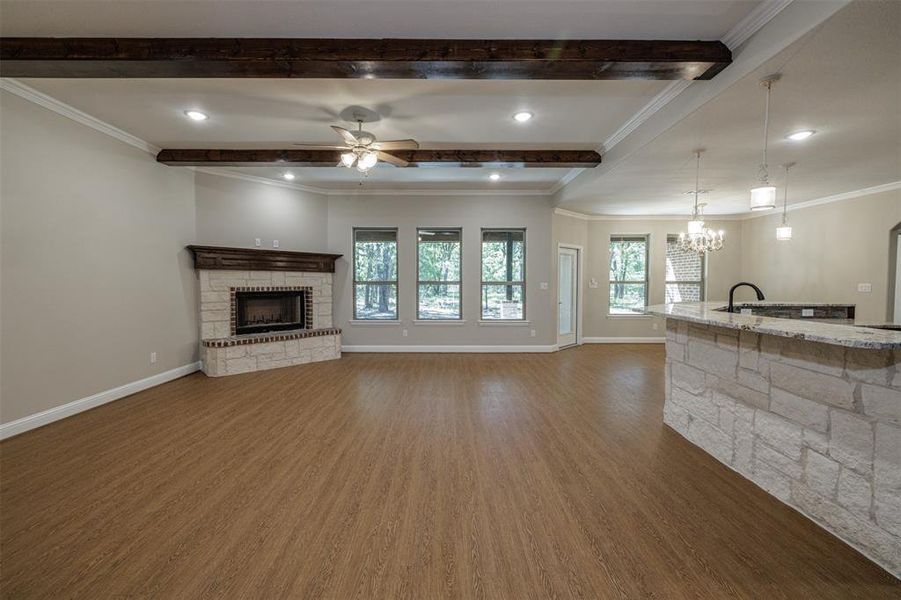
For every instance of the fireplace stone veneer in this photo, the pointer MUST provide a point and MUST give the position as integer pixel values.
(223, 352)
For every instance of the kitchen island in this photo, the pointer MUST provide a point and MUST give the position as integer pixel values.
(808, 409)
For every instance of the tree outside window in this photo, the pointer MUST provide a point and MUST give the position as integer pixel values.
(503, 274)
(628, 274)
(375, 274)
(439, 281)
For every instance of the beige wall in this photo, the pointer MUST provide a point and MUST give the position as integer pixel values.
(722, 270)
(232, 212)
(95, 274)
(834, 247)
(471, 213)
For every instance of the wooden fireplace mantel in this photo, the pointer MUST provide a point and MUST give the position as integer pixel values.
(252, 259)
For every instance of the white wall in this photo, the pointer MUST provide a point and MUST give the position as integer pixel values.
(232, 212)
(835, 247)
(95, 275)
(469, 212)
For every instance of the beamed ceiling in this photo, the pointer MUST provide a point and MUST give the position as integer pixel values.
(451, 74)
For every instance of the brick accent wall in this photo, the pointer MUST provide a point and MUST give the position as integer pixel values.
(816, 425)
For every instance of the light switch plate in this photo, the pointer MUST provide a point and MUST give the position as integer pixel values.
(543, 285)
(257, 242)
(275, 243)
(866, 288)
(592, 283)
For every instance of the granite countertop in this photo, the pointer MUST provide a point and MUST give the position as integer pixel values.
(836, 334)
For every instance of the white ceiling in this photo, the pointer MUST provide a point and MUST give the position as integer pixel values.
(842, 79)
(476, 19)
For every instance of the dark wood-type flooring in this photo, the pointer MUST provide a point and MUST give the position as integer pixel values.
(404, 476)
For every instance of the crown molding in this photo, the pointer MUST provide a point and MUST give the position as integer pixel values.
(18, 88)
(762, 14)
(868, 191)
(561, 183)
(261, 180)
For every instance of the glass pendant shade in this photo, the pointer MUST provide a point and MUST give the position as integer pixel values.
(763, 197)
(784, 233)
(348, 159)
(367, 161)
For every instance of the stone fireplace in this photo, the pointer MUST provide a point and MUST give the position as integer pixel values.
(264, 309)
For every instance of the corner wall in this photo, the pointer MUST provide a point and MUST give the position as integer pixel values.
(94, 268)
(834, 247)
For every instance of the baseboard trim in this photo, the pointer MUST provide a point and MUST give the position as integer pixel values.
(451, 349)
(623, 340)
(56, 413)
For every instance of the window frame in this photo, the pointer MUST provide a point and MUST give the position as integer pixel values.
(702, 283)
(419, 282)
(483, 283)
(395, 282)
(623, 237)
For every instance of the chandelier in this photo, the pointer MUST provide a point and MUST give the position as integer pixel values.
(699, 238)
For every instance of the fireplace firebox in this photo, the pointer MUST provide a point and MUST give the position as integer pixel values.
(262, 311)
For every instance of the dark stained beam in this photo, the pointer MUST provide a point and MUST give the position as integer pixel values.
(417, 158)
(361, 58)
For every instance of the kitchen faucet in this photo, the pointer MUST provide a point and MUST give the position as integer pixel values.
(760, 295)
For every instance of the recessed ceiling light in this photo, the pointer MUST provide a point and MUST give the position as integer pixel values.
(800, 135)
(289, 176)
(494, 176)
(196, 115)
(522, 116)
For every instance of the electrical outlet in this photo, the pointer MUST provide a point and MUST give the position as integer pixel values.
(542, 285)
(806, 312)
(275, 243)
(746, 311)
(865, 288)
(592, 283)
(257, 242)
(533, 333)
(153, 358)
(404, 333)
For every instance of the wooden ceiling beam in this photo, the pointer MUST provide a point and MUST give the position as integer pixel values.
(361, 58)
(514, 159)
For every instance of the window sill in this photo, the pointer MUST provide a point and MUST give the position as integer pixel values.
(439, 322)
(503, 323)
(366, 322)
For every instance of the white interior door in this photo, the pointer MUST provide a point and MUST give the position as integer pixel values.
(567, 296)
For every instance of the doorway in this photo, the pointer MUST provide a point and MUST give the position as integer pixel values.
(569, 302)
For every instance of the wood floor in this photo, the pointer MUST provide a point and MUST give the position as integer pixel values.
(403, 476)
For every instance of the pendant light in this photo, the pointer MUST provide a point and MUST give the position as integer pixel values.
(763, 197)
(784, 231)
(699, 239)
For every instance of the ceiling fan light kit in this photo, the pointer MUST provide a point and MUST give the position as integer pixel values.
(362, 151)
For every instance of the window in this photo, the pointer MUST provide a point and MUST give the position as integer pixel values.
(439, 257)
(628, 274)
(684, 273)
(375, 274)
(504, 274)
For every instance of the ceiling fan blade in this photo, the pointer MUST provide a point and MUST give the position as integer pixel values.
(397, 145)
(345, 135)
(319, 147)
(390, 159)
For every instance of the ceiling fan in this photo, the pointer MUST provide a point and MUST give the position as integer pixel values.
(361, 150)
